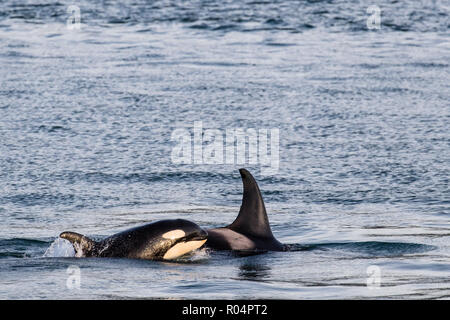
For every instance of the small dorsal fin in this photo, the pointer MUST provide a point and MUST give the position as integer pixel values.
(252, 218)
(83, 245)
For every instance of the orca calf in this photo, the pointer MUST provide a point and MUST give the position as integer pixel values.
(250, 232)
(161, 240)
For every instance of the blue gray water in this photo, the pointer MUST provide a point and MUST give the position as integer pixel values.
(362, 190)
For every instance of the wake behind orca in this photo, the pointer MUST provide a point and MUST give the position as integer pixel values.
(250, 232)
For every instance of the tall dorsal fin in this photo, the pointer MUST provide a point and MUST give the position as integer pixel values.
(252, 218)
(83, 245)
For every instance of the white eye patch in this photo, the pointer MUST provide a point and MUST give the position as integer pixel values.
(174, 234)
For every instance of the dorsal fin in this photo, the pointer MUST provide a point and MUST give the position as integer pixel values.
(83, 245)
(252, 218)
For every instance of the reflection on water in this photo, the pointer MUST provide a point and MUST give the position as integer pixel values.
(254, 270)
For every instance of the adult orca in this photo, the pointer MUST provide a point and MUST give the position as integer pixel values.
(250, 232)
(161, 240)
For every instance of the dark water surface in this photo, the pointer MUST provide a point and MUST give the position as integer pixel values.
(86, 118)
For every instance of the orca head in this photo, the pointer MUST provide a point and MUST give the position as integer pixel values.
(83, 246)
(179, 237)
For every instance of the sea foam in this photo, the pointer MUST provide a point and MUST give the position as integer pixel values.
(60, 248)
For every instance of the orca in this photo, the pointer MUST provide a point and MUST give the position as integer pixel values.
(160, 240)
(250, 232)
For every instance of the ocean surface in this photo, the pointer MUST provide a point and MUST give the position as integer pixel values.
(90, 98)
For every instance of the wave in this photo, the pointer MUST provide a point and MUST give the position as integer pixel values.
(32, 248)
(21, 248)
(140, 177)
(61, 248)
(244, 16)
(369, 248)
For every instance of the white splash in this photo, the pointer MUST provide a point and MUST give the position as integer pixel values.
(200, 254)
(60, 248)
